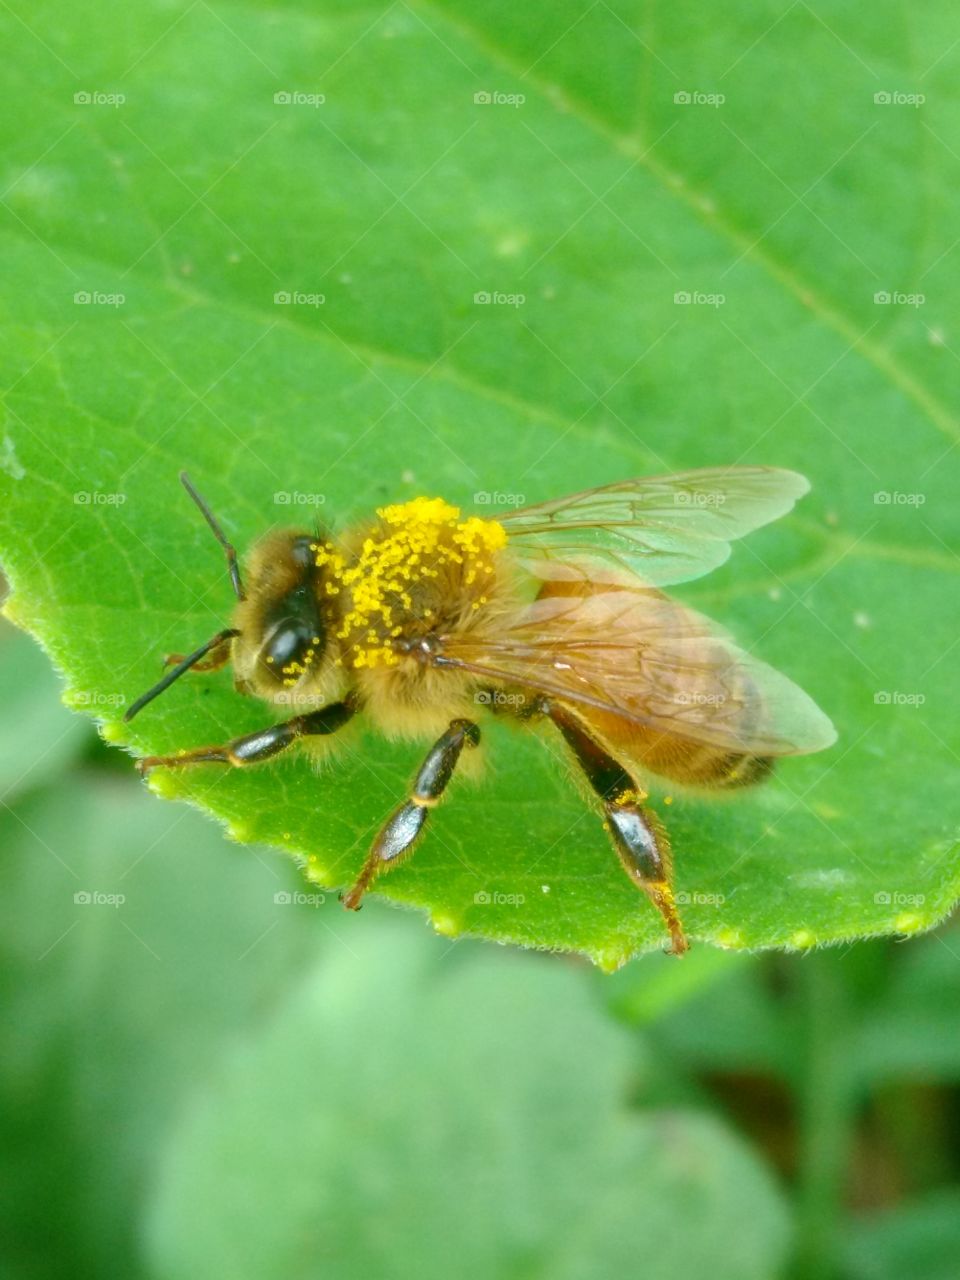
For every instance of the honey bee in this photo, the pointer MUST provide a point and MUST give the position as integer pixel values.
(552, 614)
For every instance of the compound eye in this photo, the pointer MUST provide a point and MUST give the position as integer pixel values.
(290, 642)
(302, 552)
(294, 632)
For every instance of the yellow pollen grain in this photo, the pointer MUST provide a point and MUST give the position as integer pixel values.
(630, 796)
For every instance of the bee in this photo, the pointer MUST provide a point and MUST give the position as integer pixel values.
(551, 614)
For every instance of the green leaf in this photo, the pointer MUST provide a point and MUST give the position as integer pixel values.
(500, 1128)
(198, 198)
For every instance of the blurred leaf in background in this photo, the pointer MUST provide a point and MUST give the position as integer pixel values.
(492, 1091)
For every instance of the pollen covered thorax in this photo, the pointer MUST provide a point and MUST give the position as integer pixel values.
(418, 569)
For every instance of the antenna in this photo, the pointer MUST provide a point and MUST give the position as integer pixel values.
(218, 533)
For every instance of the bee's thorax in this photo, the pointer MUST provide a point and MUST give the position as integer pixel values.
(418, 572)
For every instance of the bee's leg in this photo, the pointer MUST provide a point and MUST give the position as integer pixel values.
(255, 747)
(400, 831)
(219, 643)
(638, 835)
(219, 657)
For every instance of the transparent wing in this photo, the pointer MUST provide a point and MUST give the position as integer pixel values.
(640, 655)
(665, 529)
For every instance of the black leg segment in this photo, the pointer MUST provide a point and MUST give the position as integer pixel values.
(262, 745)
(399, 833)
(638, 835)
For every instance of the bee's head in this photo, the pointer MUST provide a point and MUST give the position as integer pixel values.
(285, 623)
(279, 642)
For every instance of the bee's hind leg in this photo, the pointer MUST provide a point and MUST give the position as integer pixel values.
(638, 835)
(399, 833)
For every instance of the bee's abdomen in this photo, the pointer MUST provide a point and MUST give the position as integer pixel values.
(696, 764)
(681, 692)
(704, 766)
